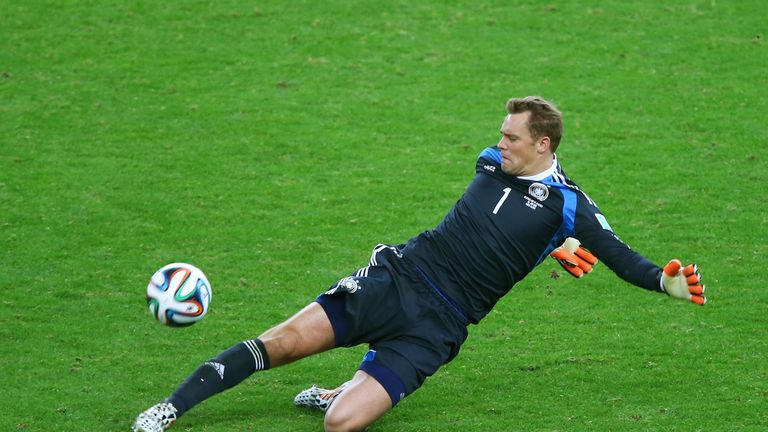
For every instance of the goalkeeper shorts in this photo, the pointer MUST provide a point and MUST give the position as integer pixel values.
(410, 329)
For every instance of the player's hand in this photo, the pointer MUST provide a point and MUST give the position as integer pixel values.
(683, 282)
(575, 259)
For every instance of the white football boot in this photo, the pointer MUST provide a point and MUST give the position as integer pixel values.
(156, 419)
(316, 397)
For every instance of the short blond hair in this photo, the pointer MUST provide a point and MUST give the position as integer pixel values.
(545, 119)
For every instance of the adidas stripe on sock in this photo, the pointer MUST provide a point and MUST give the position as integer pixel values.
(256, 347)
(224, 371)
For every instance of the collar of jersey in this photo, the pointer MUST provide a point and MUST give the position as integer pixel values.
(544, 174)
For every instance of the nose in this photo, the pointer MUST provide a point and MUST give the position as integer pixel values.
(502, 145)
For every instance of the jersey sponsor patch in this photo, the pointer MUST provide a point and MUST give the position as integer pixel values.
(603, 222)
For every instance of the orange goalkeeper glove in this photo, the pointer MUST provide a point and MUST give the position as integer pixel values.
(683, 282)
(573, 258)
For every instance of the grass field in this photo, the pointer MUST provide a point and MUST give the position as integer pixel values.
(274, 143)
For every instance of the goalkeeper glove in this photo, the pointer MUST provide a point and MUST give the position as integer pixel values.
(683, 282)
(573, 258)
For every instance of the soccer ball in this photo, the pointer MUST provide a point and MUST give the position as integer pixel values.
(178, 295)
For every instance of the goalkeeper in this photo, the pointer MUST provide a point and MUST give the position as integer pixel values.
(413, 302)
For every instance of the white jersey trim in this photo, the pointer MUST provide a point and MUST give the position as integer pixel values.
(544, 174)
(559, 177)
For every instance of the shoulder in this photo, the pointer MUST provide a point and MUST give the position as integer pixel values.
(587, 209)
(489, 161)
(490, 153)
(560, 178)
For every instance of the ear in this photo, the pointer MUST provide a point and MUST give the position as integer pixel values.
(543, 145)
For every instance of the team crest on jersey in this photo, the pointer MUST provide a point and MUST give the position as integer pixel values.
(538, 191)
(348, 284)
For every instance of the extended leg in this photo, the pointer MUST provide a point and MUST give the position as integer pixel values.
(306, 333)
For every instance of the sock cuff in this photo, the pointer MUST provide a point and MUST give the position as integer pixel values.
(259, 352)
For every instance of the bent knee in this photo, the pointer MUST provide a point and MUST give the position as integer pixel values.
(335, 422)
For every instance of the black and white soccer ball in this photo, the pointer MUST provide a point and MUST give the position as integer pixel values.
(178, 295)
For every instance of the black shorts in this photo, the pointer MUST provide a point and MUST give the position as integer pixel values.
(411, 329)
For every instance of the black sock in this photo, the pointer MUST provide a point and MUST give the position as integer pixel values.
(226, 370)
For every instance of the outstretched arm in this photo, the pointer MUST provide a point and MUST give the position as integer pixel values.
(594, 232)
(676, 280)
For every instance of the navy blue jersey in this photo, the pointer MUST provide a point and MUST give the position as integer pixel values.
(504, 226)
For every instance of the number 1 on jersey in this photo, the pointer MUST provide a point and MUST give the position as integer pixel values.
(501, 201)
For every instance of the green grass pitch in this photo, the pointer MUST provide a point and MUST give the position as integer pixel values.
(274, 143)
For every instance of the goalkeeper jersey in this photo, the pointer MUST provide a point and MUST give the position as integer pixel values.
(503, 226)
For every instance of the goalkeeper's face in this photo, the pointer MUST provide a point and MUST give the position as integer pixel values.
(521, 154)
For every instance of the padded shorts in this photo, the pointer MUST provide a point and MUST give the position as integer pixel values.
(412, 331)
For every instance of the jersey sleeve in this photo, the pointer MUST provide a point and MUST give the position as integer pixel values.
(490, 154)
(595, 233)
